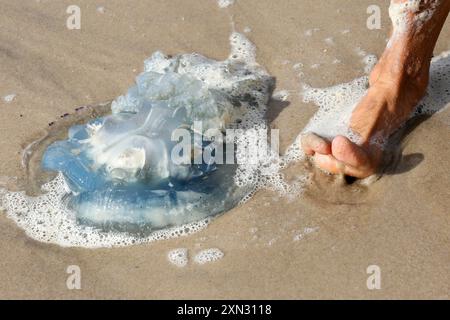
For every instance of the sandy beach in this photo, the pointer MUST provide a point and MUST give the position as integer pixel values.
(315, 246)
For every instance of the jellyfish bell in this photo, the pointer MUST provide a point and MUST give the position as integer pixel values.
(120, 168)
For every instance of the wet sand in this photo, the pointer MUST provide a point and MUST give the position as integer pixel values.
(315, 246)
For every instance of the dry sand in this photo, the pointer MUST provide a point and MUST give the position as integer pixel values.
(400, 223)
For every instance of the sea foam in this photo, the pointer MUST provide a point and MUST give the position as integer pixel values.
(208, 255)
(178, 257)
(225, 3)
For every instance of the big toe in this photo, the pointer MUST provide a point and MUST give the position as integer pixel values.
(348, 152)
(312, 143)
(357, 161)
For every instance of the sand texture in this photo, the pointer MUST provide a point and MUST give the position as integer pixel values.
(318, 245)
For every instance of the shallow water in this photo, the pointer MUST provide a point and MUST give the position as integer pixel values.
(49, 217)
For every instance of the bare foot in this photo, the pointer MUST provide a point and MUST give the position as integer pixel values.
(397, 83)
(389, 102)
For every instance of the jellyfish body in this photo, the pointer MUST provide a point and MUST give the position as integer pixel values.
(120, 167)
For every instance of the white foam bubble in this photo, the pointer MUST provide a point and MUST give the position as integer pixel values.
(9, 98)
(329, 41)
(360, 52)
(225, 3)
(369, 61)
(410, 14)
(178, 257)
(242, 48)
(297, 66)
(309, 230)
(310, 32)
(281, 95)
(438, 91)
(301, 235)
(208, 255)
